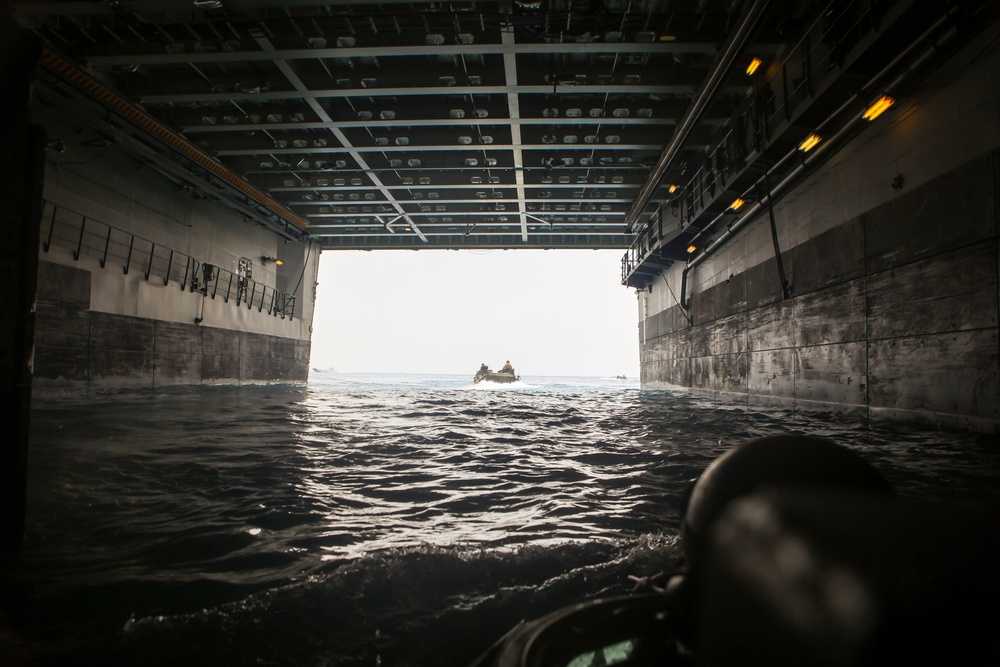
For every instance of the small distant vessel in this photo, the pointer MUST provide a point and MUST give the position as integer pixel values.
(331, 369)
(620, 377)
(505, 375)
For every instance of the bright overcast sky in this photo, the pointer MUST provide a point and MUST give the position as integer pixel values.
(438, 311)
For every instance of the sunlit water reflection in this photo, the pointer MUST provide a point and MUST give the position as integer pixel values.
(409, 520)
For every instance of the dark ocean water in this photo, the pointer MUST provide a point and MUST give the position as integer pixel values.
(376, 519)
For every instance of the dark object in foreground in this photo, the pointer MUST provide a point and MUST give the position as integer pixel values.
(796, 552)
(628, 630)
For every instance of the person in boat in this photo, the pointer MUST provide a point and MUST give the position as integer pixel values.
(507, 368)
(484, 369)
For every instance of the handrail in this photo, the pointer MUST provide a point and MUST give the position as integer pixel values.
(936, 43)
(791, 83)
(731, 50)
(796, 76)
(83, 234)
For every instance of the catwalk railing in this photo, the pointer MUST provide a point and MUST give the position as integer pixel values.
(776, 98)
(111, 245)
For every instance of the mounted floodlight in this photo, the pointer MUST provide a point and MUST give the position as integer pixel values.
(672, 189)
(737, 203)
(265, 259)
(877, 109)
(692, 248)
(754, 64)
(810, 142)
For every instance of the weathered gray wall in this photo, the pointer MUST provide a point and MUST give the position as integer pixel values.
(102, 327)
(894, 307)
(82, 352)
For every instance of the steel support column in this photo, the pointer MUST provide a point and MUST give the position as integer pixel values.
(20, 220)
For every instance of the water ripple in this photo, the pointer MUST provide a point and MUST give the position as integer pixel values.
(362, 517)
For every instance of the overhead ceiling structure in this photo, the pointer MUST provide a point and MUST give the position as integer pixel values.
(463, 124)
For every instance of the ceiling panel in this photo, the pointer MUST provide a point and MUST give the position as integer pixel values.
(508, 124)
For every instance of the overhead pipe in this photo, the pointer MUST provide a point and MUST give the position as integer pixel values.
(752, 212)
(727, 58)
(785, 290)
(826, 145)
(69, 73)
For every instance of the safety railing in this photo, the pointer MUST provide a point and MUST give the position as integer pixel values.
(216, 281)
(774, 102)
(84, 235)
(630, 261)
(791, 82)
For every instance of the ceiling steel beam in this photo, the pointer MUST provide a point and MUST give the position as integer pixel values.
(318, 109)
(381, 52)
(537, 242)
(516, 147)
(113, 104)
(409, 91)
(431, 122)
(435, 228)
(463, 186)
(514, 112)
(592, 201)
(603, 219)
(494, 232)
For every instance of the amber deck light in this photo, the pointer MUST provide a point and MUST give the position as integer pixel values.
(672, 189)
(692, 248)
(735, 206)
(754, 64)
(877, 109)
(809, 142)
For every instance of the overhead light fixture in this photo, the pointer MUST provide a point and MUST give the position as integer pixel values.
(672, 189)
(877, 109)
(265, 259)
(810, 142)
(754, 64)
(692, 248)
(735, 206)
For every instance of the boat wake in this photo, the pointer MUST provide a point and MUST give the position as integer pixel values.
(496, 386)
